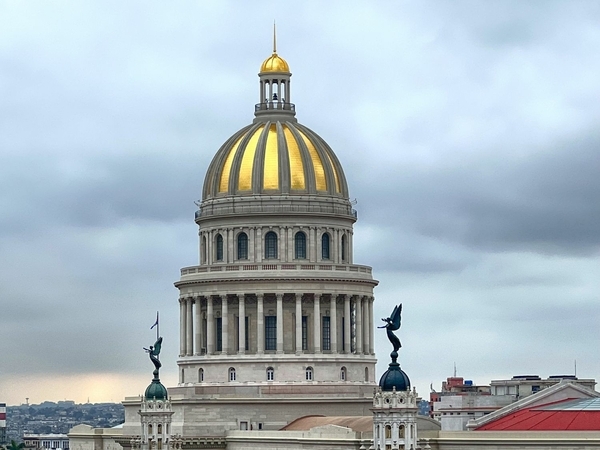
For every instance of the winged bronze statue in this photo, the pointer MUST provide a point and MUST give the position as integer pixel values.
(393, 324)
(154, 351)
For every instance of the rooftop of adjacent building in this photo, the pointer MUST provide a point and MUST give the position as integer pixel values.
(568, 414)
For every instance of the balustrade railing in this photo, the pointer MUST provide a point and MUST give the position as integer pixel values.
(274, 267)
(275, 106)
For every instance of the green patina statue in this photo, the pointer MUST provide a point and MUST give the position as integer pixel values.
(393, 324)
(153, 352)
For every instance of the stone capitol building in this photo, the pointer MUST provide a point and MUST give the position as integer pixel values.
(276, 319)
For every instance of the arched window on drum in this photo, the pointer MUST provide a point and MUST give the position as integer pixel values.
(270, 245)
(325, 246)
(300, 245)
(242, 246)
(219, 248)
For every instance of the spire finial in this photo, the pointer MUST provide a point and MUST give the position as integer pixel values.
(274, 39)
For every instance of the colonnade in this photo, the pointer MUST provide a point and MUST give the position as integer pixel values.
(295, 323)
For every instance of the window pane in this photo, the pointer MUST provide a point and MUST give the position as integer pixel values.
(246, 335)
(219, 330)
(219, 248)
(270, 332)
(326, 333)
(325, 246)
(271, 245)
(242, 245)
(300, 245)
(304, 332)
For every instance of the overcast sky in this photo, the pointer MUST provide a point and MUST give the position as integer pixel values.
(468, 132)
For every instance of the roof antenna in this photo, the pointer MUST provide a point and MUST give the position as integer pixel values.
(454, 369)
(274, 39)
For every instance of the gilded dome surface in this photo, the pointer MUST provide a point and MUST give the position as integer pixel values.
(275, 157)
(274, 63)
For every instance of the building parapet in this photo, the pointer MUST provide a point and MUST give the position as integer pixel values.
(271, 267)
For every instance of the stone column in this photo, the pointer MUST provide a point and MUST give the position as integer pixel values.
(189, 325)
(347, 325)
(359, 324)
(230, 252)
(334, 246)
(224, 325)
(260, 325)
(281, 244)
(251, 232)
(182, 324)
(242, 324)
(290, 244)
(279, 323)
(310, 232)
(210, 326)
(372, 334)
(317, 324)
(258, 251)
(198, 328)
(366, 325)
(209, 254)
(298, 323)
(333, 323)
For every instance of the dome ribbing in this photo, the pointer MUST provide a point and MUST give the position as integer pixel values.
(275, 157)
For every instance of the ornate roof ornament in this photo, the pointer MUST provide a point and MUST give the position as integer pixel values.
(394, 378)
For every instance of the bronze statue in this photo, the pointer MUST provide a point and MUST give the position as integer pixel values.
(392, 324)
(153, 352)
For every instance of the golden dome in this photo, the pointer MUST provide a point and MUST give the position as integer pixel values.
(275, 157)
(275, 63)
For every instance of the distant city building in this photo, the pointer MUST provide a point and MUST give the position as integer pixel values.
(46, 441)
(460, 401)
(522, 386)
(3, 423)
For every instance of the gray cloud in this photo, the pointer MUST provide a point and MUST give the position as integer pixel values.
(467, 132)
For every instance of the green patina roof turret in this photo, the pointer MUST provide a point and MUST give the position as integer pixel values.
(156, 391)
(394, 377)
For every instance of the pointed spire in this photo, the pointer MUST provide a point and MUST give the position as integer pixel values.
(274, 39)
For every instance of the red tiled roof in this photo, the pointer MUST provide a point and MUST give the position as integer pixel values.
(569, 414)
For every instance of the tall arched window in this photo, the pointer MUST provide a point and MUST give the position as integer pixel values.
(401, 431)
(300, 245)
(242, 246)
(388, 432)
(366, 374)
(204, 261)
(344, 250)
(231, 374)
(270, 374)
(200, 375)
(343, 374)
(270, 245)
(309, 373)
(219, 248)
(325, 246)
